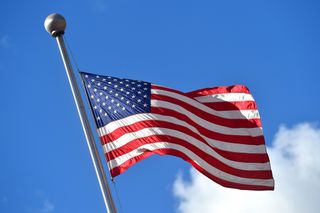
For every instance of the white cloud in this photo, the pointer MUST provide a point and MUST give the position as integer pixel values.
(295, 161)
(47, 207)
(4, 41)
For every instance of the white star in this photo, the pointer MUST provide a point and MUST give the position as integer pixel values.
(133, 106)
(97, 76)
(133, 96)
(145, 105)
(115, 79)
(127, 93)
(145, 83)
(116, 94)
(100, 110)
(98, 118)
(105, 88)
(139, 85)
(145, 96)
(86, 76)
(98, 100)
(121, 82)
(121, 89)
(105, 114)
(89, 86)
(99, 84)
(123, 108)
(109, 82)
(109, 107)
(92, 96)
(104, 79)
(115, 86)
(95, 107)
(103, 103)
(118, 104)
(127, 80)
(112, 100)
(145, 88)
(133, 82)
(133, 88)
(115, 111)
(92, 80)
(139, 92)
(127, 85)
(101, 93)
(107, 97)
(139, 100)
(111, 91)
(127, 101)
(94, 90)
(122, 98)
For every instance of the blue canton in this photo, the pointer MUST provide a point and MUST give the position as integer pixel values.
(115, 98)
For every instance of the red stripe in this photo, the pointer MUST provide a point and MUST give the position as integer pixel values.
(244, 157)
(242, 139)
(207, 91)
(232, 123)
(126, 165)
(232, 105)
(123, 167)
(219, 90)
(235, 156)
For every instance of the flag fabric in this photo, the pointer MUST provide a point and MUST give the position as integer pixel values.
(217, 130)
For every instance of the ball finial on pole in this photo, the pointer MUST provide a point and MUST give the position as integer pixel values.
(55, 24)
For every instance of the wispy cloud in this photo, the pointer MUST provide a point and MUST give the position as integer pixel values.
(295, 163)
(4, 41)
(47, 207)
(4, 199)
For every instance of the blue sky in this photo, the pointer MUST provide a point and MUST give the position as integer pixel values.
(273, 47)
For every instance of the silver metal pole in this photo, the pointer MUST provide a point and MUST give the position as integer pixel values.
(55, 24)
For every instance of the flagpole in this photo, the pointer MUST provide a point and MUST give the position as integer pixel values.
(55, 24)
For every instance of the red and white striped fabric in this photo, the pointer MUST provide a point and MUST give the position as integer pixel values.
(217, 130)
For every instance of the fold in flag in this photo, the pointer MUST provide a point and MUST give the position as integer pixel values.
(217, 130)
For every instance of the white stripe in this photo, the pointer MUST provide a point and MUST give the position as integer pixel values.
(222, 97)
(112, 126)
(230, 147)
(212, 170)
(233, 147)
(231, 114)
(257, 131)
(140, 134)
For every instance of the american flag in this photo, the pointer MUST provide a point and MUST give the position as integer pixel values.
(217, 130)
